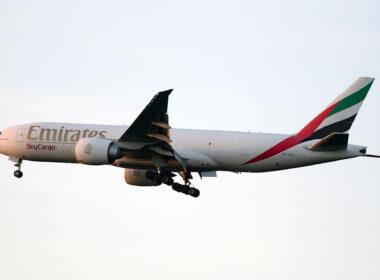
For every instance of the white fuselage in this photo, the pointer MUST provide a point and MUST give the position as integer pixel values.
(203, 149)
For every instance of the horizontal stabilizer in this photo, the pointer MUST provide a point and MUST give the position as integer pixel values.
(333, 142)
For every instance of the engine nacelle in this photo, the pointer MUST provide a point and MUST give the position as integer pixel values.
(137, 177)
(96, 151)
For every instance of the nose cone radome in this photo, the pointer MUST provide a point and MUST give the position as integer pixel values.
(3, 141)
(8, 144)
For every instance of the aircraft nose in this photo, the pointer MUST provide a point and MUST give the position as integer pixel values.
(3, 138)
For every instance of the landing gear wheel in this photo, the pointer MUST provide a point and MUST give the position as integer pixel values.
(194, 192)
(157, 177)
(176, 187)
(180, 188)
(18, 173)
(167, 180)
(184, 189)
(154, 176)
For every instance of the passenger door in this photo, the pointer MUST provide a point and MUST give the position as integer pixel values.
(20, 137)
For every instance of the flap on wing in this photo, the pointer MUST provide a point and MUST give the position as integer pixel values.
(333, 142)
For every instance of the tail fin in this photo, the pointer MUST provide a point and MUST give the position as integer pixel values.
(339, 114)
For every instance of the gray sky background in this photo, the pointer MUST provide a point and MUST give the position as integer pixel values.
(235, 65)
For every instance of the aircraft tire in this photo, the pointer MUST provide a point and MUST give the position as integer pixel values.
(194, 192)
(18, 174)
(176, 187)
(167, 180)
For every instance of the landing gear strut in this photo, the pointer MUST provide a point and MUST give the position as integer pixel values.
(18, 173)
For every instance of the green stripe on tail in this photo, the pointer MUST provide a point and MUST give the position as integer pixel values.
(352, 100)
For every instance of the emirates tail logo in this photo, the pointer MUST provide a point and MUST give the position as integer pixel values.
(88, 149)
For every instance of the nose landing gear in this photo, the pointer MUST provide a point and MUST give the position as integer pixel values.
(18, 173)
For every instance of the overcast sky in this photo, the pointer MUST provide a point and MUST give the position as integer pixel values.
(266, 66)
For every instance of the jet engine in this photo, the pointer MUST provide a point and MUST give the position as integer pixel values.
(138, 177)
(96, 151)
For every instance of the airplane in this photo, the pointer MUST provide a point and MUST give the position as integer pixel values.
(151, 152)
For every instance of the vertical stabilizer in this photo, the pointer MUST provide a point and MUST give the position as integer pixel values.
(339, 114)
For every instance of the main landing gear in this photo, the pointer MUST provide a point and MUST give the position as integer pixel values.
(18, 173)
(167, 179)
(186, 189)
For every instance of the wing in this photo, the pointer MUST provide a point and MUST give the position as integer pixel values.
(152, 125)
(148, 137)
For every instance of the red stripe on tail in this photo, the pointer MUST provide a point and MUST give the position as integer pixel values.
(294, 140)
